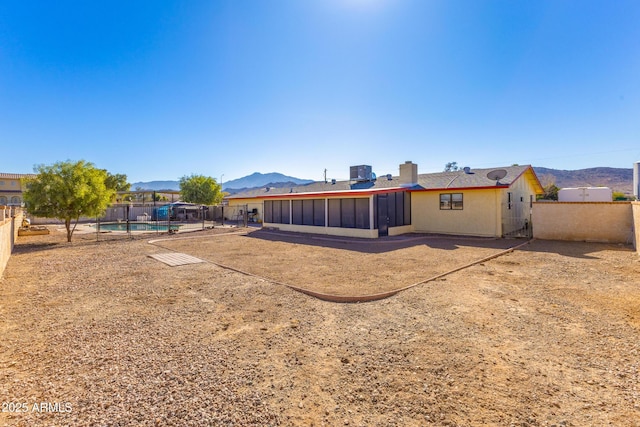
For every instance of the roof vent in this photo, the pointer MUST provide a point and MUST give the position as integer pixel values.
(467, 170)
(333, 181)
(389, 177)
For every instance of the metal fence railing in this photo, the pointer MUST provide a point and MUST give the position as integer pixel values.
(133, 220)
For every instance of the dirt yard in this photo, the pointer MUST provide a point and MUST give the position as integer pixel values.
(102, 334)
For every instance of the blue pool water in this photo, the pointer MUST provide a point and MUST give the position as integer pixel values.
(122, 226)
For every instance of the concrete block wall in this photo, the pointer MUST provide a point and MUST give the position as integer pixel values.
(610, 222)
(635, 206)
(10, 221)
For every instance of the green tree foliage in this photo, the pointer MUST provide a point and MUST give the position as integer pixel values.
(451, 167)
(68, 190)
(550, 188)
(200, 189)
(619, 196)
(118, 183)
(550, 192)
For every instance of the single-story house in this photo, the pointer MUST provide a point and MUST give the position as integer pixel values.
(494, 202)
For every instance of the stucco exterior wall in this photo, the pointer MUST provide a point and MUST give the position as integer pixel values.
(331, 231)
(10, 223)
(583, 221)
(480, 215)
(635, 209)
(232, 210)
(397, 231)
(516, 212)
(7, 237)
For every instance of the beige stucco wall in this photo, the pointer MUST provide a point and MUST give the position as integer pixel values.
(403, 229)
(231, 211)
(480, 215)
(331, 231)
(583, 221)
(10, 222)
(518, 212)
(7, 237)
(635, 206)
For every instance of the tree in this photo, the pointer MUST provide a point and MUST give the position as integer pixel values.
(451, 167)
(68, 190)
(550, 188)
(119, 184)
(619, 196)
(200, 189)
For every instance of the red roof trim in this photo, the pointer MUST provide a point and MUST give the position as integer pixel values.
(347, 193)
(454, 189)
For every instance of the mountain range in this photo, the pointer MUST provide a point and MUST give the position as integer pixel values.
(618, 179)
(256, 179)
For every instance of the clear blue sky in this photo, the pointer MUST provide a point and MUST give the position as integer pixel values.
(161, 89)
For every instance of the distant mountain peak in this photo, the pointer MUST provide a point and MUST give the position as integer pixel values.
(618, 179)
(256, 179)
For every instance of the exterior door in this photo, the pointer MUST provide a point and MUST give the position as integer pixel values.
(383, 216)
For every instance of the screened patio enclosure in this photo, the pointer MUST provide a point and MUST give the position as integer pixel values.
(336, 215)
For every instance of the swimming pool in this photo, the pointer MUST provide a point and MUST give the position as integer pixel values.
(134, 226)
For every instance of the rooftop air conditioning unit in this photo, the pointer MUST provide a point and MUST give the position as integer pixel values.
(360, 173)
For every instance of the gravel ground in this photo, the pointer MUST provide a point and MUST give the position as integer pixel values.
(101, 334)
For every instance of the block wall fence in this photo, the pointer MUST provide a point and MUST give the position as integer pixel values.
(10, 220)
(607, 222)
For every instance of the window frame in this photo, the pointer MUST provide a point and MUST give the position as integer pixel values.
(449, 202)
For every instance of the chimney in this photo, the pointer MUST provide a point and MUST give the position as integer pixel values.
(408, 174)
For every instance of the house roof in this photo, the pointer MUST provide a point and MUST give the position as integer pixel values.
(477, 178)
(4, 175)
(458, 180)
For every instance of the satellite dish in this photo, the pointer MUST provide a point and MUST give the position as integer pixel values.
(497, 174)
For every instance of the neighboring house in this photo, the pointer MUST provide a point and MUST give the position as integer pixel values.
(11, 188)
(481, 202)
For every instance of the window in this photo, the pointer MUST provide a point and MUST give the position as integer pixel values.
(348, 217)
(451, 201)
(318, 212)
(296, 212)
(276, 215)
(362, 213)
(268, 207)
(334, 213)
(306, 212)
(276, 211)
(285, 212)
(349, 213)
(407, 208)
